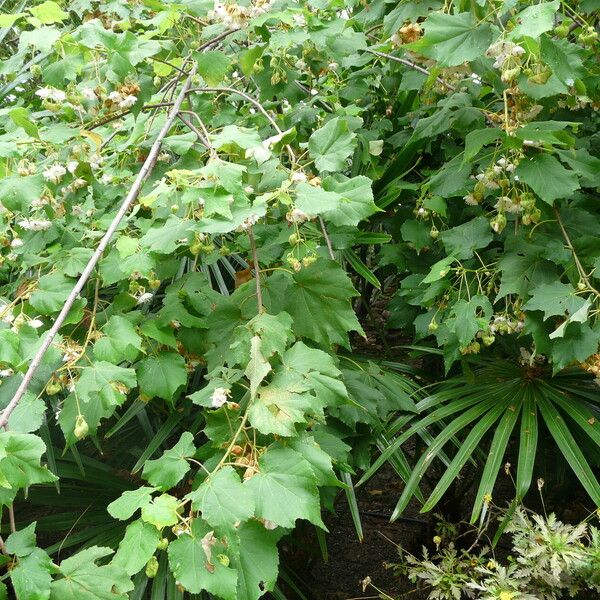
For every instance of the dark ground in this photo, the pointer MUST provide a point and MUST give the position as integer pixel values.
(350, 561)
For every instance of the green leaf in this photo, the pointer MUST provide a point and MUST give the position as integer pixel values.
(168, 470)
(354, 202)
(463, 240)
(476, 140)
(547, 177)
(164, 238)
(22, 118)
(193, 558)
(223, 500)
(256, 560)
(83, 579)
(48, 12)
(416, 233)
(453, 39)
(129, 502)
(285, 488)
(439, 270)
(162, 511)
(580, 342)
(258, 368)
(31, 577)
(555, 299)
(137, 546)
(53, 290)
(464, 320)
(322, 289)
(331, 145)
(212, 65)
(21, 543)
(20, 455)
(534, 20)
(120, 341)
(100, 390)
(162, 375)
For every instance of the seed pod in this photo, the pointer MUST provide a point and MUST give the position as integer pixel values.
(163, 544)
(152, 567)
(81, 427)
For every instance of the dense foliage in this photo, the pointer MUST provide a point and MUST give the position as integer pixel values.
(202, 386)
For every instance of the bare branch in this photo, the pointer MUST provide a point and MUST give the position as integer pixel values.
(85, 275)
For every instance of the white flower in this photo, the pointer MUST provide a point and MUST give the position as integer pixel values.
(88, 93)
(36, 323)
(95, 161)
(219, 397)
(72, 166)
(530, 143)
(298, 176)
(506, 203)
(55, 173)
(570, 82)
(314, 92)
(301, 64)
(6, 373)
(16, 243)
(297, 216)
(128, 101)
(235, 75)
(249, 189)
(11, 98)
(251, 220)
(333, 66)
(299, 20)
(49, 93)
(35, 224)
(106, 178)
(39, 202)
(470, 200)
(269, 524)
(145, 297)
(115, 97)
(252, 111)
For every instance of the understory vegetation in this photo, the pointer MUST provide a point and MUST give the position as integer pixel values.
(252, 253)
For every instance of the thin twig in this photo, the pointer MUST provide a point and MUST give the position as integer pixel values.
(412, 65)
(11, 518)
(203, 140)
(327, 240)
(259, 300)
(83, 278)
(582, 273)
(254, 102)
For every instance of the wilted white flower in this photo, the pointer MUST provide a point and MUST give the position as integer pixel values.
(145, 297)
(36, 323)
(106, 178)
(298, 176)
(249, 189)
(35, 224)
(470, 200)
(506, 204)
(297, 216)
(219, 397)
(128, 101)
(39, 202)
(115, 97)
(299, 20)
(16, 243)
(54, 173)
(96, 161)
(48, 93)
(502, 50)
(6, 373)
(251, 220)
(269, 524)
(88, 93)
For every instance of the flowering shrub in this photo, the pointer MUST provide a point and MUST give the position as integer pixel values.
(191, 193)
